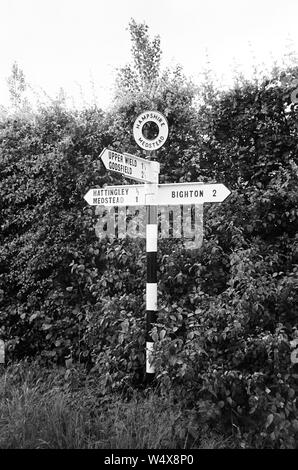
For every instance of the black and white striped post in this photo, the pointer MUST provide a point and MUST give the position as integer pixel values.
(150, 145)
(151, 280)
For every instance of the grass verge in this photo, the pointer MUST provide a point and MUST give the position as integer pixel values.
(39, 408)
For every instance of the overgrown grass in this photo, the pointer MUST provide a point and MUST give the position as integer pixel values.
(41, 408)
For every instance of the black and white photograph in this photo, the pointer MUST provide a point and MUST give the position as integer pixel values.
(149, 229)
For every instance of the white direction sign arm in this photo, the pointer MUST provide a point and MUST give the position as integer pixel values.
(116, 196)
(191, 193)
(136, 168)
(167, 194)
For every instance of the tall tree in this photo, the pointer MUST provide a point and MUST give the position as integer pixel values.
(16, 85)
(141, 85)
(146, 55)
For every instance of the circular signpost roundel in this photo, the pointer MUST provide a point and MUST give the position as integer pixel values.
(163, 130)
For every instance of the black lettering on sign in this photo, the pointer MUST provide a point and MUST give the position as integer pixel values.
(214, 192)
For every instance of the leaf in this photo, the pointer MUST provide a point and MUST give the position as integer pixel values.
(125, 325)
(33, 316)
(154, 334)
(162, 334)
(269, 420)
(295, 424)
(291, 393)
(294, 343)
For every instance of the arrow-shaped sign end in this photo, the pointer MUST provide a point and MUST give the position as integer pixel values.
(226, 192)
(102, 152)
(104, 157)
(88, 197)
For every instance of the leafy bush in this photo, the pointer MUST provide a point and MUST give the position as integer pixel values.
(228, 312)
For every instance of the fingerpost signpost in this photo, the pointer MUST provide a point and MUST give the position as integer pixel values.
(150, 194)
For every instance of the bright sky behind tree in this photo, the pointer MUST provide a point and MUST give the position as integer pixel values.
(72, 43)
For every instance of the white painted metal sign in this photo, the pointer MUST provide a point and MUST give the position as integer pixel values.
(167, 194)
(116, 196)
(191, 193)
(163, 130)
(133, 167)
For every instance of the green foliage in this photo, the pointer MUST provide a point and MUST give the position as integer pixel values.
(227, 312)
(146, 55)
(45, 168)
(16, 85)
(46, 409)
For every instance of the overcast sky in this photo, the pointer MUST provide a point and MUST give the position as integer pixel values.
(68, 43)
